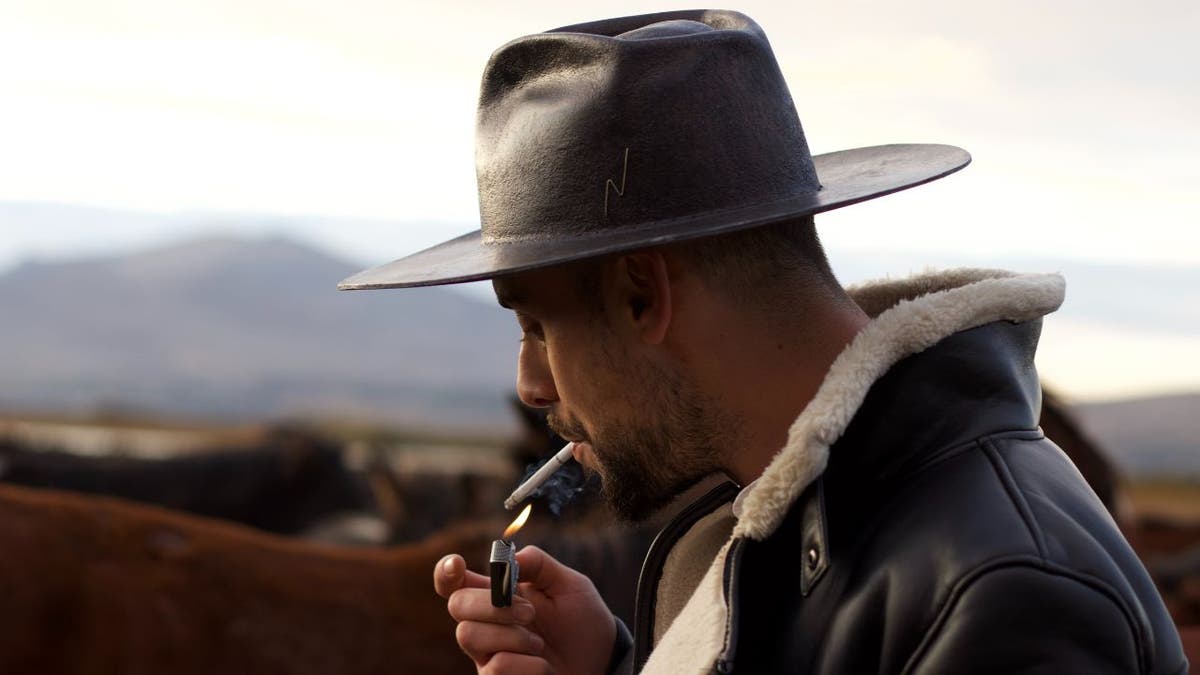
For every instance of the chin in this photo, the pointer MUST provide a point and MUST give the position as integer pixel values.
(633, 501)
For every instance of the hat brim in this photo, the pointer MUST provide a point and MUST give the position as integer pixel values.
(847, 177)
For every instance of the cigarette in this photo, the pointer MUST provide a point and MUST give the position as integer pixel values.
(504, 572)
(540, 476)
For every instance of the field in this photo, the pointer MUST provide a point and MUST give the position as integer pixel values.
(1167, 499)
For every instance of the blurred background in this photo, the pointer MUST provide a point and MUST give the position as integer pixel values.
(183, 184)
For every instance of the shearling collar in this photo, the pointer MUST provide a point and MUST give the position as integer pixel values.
(908, 317)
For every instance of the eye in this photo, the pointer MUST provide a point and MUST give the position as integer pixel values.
(531, 329)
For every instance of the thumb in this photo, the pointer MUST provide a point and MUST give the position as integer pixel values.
(547, 574)
(451, 574)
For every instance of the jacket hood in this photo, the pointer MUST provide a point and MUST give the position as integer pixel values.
(907, 317)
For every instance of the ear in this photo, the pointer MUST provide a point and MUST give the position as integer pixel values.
(644, 294)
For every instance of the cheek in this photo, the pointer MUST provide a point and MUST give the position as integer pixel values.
(577, 375)
(580, 397)
(589, 373)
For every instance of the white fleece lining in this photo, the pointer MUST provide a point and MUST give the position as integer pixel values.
(910, 315)
(688, 562)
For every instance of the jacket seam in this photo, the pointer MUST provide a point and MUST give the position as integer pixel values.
(1014, 494)
(946, 454)
(951, 451)
(1018, 496)
(1096, 584)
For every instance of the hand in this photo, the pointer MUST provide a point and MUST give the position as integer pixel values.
(557, 623)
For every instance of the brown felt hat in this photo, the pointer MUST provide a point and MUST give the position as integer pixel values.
(632, 132)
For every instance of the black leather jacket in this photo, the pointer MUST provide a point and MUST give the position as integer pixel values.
(947, 535)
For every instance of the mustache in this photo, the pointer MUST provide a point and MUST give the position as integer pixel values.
(566, 427)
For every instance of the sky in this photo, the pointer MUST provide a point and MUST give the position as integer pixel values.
(1081, 117)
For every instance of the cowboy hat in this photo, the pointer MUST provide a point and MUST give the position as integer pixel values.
(638, 131)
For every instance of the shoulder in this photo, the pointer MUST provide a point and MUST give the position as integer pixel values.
(999, 495)
(1003, 500)
(972, 504)
(1016, 615)
(1010, 556)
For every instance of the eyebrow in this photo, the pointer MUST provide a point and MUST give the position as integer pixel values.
(508, 297)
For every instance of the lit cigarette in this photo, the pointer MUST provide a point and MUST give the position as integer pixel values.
(540, 476)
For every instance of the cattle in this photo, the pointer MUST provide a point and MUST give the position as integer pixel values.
(98, 585)
(102, 586)
(288, 482)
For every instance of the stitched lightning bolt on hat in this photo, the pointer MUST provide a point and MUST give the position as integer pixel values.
(639, 131)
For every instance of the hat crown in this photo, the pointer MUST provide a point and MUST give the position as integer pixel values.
(610, 136)
(632, 122)
(669, 28)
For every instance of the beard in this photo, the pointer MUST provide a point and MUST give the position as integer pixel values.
(644, 464)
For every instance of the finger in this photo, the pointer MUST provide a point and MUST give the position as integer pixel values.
(547, 574)
(475, 604)
(451, 574)
(482, 641)
(511, 663)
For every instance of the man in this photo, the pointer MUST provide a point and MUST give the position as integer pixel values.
(647, 200)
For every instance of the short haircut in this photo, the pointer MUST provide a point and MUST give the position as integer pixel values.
(762, 267)
(762, 260)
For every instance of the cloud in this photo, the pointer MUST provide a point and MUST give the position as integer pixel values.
(1096, 361)
(1080, 115)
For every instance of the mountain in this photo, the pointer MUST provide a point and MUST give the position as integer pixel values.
(1157, 436)
(239, 328)
(235, 328)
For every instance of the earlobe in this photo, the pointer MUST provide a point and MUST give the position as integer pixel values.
(649, 295)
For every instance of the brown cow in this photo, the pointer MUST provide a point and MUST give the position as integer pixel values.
(97, 585)
(100, 585)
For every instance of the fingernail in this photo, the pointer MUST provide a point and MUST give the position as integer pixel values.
(523, 613)
(448, 565)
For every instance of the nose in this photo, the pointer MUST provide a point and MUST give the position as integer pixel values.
(535, 382)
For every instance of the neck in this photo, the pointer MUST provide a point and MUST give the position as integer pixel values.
(765, 372)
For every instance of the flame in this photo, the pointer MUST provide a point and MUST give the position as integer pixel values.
(519, 522)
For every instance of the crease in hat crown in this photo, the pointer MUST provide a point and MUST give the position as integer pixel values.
(617, 134)
(695, 117)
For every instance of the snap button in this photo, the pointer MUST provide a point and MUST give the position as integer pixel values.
(813, 557)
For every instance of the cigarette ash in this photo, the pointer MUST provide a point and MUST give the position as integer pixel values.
(567, 484)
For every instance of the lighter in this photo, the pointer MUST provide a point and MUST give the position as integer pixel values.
(503, 563)
(505, 572)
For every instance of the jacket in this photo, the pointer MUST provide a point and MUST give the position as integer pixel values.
(916, 521)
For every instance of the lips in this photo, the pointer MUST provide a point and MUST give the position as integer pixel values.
(583, 453)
